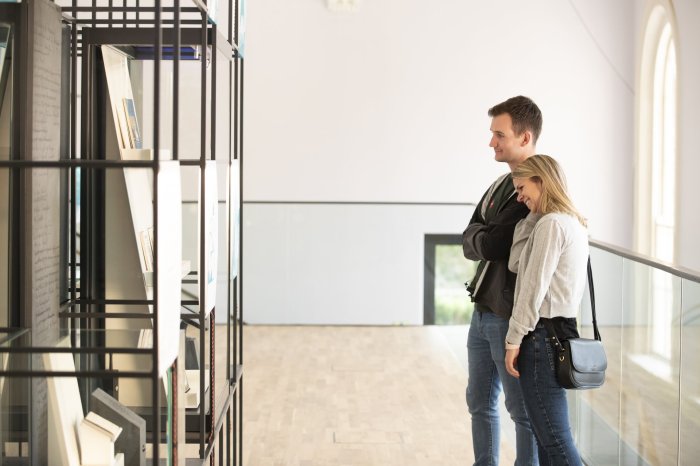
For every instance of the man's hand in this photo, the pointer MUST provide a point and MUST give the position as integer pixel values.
(512, 361)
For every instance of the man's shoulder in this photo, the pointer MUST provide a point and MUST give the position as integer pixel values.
(497, 182)
(502, 179)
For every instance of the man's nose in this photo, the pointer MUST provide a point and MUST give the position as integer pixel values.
(493, 142)
(520, 197)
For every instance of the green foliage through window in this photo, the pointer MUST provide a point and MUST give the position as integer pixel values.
(452, 303)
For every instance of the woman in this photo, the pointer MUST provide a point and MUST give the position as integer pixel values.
(549, 253)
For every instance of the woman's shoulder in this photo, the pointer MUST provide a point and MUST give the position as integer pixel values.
(553, 219)
(559, 218)
(558, 222)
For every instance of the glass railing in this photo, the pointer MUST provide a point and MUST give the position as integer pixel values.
(648, 411)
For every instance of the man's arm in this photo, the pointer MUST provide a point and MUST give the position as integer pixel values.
(493, 241)
(477, 222)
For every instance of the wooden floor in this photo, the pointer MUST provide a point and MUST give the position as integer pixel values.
(354, 396)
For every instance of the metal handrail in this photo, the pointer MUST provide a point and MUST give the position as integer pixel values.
(676, 270)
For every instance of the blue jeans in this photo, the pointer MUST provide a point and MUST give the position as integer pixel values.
(545, 400)
(487, 375)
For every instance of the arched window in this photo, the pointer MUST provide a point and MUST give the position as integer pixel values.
(656, 174)
(656, 171)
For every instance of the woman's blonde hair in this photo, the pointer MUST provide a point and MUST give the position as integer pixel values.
(548, 172)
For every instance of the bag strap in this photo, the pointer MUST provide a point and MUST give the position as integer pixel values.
(596, 334)
(553, 336)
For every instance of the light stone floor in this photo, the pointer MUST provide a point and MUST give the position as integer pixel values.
(356, 396)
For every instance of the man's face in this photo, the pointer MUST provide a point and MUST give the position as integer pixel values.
(508, 147)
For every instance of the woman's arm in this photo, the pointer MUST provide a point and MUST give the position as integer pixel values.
(522, 233)
(535, 274)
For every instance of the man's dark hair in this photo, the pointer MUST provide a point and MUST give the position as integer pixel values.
(525, 114)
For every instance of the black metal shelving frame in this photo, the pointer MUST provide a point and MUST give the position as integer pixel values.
(86, 305)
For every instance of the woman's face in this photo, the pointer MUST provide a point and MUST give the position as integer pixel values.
(529, 191)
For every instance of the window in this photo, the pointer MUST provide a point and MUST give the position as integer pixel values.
(663, 155)
(656, 174)
(446, 302)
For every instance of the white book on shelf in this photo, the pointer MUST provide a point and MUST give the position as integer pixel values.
(209, 273)
(192, 392)
(110, 428)
(149, 234)
(96, 444)
(145, 338)
(65, 410)
(145, 239)
(132, 123)
(119, 85)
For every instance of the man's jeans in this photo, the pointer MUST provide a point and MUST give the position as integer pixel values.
(487, 374)
(545, 401)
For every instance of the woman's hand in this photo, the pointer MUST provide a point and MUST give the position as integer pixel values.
(512, 361)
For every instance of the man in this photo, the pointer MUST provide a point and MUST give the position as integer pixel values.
(515, 127)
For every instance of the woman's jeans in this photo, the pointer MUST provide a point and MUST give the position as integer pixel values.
(487, 375)
(545, 400)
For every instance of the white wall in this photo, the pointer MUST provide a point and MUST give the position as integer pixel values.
(339, 264)
(389, 103)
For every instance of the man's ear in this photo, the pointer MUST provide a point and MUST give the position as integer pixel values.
(527, 137)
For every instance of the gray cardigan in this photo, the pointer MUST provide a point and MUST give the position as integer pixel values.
(550, 254)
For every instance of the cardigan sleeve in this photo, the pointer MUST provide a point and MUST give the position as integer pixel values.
(522, 233)
(535, 271)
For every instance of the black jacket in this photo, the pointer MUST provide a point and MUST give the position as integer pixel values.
(488, 239)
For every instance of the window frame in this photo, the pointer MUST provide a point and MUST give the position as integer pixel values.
(656, 207)
(660, 18)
